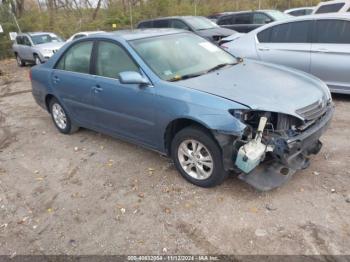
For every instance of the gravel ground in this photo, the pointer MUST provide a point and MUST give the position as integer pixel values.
(90, 194)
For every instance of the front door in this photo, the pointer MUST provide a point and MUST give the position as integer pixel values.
(125, 109)
(330, 54)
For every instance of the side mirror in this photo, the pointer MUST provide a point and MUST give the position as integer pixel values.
(267, 21)
(131, 77)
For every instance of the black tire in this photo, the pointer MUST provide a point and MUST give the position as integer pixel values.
(19, 60)
(69, 126)
(201, 135)
(37, 60)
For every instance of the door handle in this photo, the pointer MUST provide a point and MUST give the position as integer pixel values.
(97, 89)
(264, 49)
(321, 50)
(56, 79)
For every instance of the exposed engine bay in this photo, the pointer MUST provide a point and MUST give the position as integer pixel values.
(274, 145)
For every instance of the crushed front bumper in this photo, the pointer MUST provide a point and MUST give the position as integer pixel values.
(290, 155)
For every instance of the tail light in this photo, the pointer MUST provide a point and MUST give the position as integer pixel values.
(30, 75)
(224, 46)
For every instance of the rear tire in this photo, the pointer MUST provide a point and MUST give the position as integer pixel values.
(198, 157)
(60, 118)
(19, 60)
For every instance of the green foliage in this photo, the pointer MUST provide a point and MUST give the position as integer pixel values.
(66, 21)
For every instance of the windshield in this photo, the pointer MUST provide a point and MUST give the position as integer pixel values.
(180, 56)
(278, 15)
(200, 23)
(45, 38)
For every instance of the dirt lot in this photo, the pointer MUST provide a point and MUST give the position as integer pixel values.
(90, 194)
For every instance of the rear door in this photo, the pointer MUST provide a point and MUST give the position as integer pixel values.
(125, 109)
(287, 44)
(26, 49)
(19, 46)
(330, 53)
(72, 82)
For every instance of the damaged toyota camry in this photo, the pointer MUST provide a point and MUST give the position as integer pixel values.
(176, 93)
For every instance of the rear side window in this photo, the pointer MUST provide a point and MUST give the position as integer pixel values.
(332, 8)
(297, 32)
(332, 32)
(260, 18)
(77, 58)
(19, 40)
(161, 24)
(78, 36)
(226, 20)
(147, 24)
(112, 60)
(243, 19)
(179, 24)
(298, 12)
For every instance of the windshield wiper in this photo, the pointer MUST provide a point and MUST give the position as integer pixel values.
(178, 78)
(220, 66)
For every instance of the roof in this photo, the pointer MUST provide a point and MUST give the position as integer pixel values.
(89, 32)
(38, 33)
(171, 17)
(141, 33)
(299, 8)
(248, 11)
(319, 16)
(303, 18)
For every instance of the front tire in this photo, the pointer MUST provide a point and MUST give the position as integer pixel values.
(198, 158)
(37, 60)
(60, 118)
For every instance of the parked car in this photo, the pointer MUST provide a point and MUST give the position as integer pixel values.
(335, 6)
(35, 47)
(316, 44)
(177, 93)
(300, 11)
(246, 21)
(82, 34)
(199, 25)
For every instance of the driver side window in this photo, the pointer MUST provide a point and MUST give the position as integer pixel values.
(112, 60)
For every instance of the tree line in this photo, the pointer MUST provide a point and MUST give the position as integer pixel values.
(66, 17)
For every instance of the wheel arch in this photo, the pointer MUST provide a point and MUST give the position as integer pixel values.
(177, 125)
(48, 98)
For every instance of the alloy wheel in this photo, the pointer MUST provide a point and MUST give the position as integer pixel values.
(59, 116)
(195, 159)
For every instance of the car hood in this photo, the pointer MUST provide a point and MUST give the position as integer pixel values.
(262, 86)
(51, 46)
(217, 31)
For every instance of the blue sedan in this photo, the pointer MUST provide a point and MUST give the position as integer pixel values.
(176, 93)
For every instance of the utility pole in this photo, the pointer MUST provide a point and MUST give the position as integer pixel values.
(14, 18)
(195, 7)
(130, 10)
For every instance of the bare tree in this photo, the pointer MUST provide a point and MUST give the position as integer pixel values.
(94, 14)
